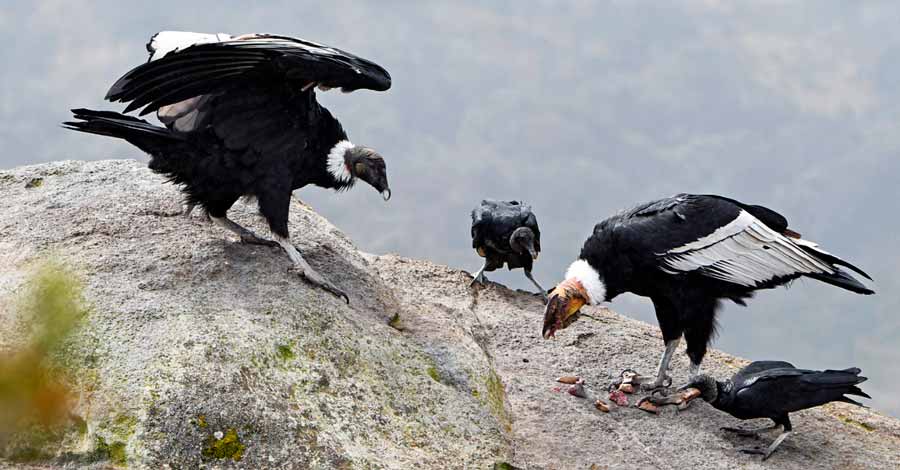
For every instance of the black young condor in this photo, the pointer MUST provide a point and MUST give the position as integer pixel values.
(506, 232)
(686, 253)
(773, 389)
(242, 119)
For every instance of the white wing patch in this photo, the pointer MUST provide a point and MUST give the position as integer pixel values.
(165, 42)
(745, 252)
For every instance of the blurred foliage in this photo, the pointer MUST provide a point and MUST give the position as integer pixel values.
(34, 397)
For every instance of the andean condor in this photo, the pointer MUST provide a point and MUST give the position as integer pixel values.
(686, 253)
(242, 119)
(506, 232)
(773, 389)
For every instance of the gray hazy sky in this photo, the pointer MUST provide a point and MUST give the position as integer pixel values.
(579, 108)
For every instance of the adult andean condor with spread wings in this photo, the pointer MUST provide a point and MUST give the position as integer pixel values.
(242, 119)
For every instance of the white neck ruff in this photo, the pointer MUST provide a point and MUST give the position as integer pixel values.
(589, 279)
(337, 165)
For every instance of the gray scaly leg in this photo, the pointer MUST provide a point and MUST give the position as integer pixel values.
(246, 235)
(662, 377)
(306, 271)
(540, 289)
(766, 453)
(751, 432)
(479, 276)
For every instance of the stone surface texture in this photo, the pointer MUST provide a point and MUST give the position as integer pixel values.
(202, 352)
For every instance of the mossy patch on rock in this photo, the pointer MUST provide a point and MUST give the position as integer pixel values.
(285, 352)
(114, 452)
(496, 399)
(433, 373)
(229, 446)
(396, 322)
(865, 426)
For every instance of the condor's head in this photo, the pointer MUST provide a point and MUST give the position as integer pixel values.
(522, 241)
(582, 286)
(348, 162)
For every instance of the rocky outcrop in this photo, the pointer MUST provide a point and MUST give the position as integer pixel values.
(199, 351)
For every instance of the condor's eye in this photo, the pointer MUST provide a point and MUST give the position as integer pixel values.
(360, 168)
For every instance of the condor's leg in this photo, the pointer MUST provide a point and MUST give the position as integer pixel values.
(217, 213)
(767, 452)
(274, 206)
(669, 324)
(479, 277)
(540, 289)
(700, 325)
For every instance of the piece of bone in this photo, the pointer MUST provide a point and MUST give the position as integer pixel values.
(568, 379)
(601, 405)
(647, 406)
(626, 388)
(628, 376)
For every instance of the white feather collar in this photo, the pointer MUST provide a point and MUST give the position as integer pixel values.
(337, 165)
(589, 279)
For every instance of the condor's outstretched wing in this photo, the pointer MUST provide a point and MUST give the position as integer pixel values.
(200, 69)
(723, 239)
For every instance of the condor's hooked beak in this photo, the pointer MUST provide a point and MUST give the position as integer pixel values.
(532, 251)
(563, 306)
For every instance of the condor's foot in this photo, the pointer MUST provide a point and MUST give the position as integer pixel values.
(767, 452)
(246, 235)
(302, 268)
(251, 238)
(749, 432)
(653, 384)
(311, 276)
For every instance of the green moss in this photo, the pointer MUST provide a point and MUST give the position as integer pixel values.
(201, 422)
(80, 425)
(504, 466)
(228, 447)
(396, 323)
(496, 398)
(114, 452)
(34, 183)
(865, 426)
(433, 373)
(285, 352)
(36, 379)
(124, 425)
(476, 393)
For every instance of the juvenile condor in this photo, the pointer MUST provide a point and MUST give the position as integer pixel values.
(241, 119)
(686, 253)
(773, 389)
(506, 232)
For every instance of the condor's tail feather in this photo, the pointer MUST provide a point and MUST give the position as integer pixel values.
(147, 137)
(838, 383)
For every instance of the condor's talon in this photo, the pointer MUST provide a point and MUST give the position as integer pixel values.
(314, 278)
(252, 239)
(741, 432)
(749, 432)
